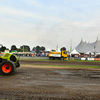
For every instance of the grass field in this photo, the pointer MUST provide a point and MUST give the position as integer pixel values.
(57, 60)
(67, 66)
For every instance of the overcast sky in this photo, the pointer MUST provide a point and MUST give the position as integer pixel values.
(49, 22)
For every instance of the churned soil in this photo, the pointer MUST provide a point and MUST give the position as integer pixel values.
(35, 82)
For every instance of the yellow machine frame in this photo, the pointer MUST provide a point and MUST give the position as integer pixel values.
(58, 55)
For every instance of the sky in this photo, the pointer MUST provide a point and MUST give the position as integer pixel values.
(49, 23)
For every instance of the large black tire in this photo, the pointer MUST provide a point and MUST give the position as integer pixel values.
(62, 58)
(50, 58)
(17, 64)
(7, 67)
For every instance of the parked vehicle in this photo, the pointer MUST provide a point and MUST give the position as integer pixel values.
(58, 55)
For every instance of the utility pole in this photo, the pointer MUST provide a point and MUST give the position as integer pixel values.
(94, 51)
(23, 48)
(71, 45)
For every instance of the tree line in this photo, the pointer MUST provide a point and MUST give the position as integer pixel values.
(26, 48)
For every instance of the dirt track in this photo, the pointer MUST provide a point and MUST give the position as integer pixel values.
(31, 82)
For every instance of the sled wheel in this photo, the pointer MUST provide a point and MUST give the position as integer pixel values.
(7, 67)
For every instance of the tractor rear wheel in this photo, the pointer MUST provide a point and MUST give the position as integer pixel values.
(7, 67)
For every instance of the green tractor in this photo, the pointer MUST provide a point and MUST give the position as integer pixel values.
(8, 63)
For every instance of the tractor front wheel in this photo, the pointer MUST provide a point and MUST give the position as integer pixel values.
(7, 67)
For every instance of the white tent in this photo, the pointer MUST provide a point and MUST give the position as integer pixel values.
(48, 49)
(84, 47)
(58, 50)
(87, 53)
(74, 52)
